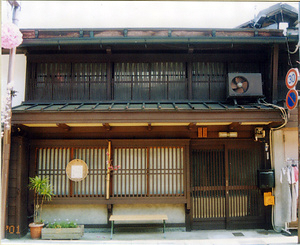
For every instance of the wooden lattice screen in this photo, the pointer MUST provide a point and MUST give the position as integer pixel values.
(143, 172)
(52, 162)
(224, 184)
(149, 171)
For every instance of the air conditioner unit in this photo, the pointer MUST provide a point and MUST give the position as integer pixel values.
(244, 85)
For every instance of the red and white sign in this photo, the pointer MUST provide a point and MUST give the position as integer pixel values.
(291, 99)
(292, 78)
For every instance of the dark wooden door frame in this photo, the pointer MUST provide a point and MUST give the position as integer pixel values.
(227, 145)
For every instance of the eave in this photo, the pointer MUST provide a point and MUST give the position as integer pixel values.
(137, 114)
(148, 36)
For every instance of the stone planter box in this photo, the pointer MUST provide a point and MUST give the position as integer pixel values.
(63, 233)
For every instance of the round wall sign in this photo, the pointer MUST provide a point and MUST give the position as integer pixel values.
(291, 78)
(291, 99)
(77, 170)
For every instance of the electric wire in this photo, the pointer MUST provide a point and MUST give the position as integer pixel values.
(285, 118)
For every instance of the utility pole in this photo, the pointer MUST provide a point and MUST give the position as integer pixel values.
(7, 128)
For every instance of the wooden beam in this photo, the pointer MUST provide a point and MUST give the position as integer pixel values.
(275, 55)
(189, 77)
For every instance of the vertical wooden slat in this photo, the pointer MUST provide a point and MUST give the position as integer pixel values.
(147, 173)
(122, 177)
(214, 197)
(54, 170)
(62, 175)
(130, 161)
(137, 170)
(201, 168)
(59, 171)
(126, 171)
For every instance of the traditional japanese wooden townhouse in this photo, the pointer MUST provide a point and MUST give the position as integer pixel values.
(179, 118)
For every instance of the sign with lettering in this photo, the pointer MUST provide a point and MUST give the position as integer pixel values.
(77, 170)
(291, 78)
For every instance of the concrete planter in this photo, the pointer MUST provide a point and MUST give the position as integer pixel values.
(63, 233)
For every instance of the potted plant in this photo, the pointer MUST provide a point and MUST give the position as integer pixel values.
(43, 191)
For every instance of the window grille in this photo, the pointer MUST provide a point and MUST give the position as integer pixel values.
(67, 81)
(143, 172)
(208, 81)
(150, 81)
(149, 172)
(52, 162)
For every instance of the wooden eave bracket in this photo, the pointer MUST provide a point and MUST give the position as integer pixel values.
(149, 127)
(64, 126)
(191, 126)
(234, 125)
(107, 126)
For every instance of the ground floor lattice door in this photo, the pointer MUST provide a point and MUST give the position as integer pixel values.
(224, 186)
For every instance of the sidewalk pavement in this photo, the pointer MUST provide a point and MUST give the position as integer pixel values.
(172, 236)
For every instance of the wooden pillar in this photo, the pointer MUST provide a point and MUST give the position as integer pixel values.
(275, 57)
(109, 71)
(188, 206)
(108, 170)
(189, 80)
(17, 221)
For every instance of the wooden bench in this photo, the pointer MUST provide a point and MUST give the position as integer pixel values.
(147, 217)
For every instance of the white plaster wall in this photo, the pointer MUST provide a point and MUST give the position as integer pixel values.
(97, 214)
(19, 77)
(291, 143)
(82, 214)
(285, 145)
(175, 212)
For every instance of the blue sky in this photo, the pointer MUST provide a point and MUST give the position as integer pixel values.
(121, 14)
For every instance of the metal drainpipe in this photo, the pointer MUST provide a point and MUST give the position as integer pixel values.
(7, 132)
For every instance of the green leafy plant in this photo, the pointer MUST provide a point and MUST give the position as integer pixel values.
(43, 191)
(62, 224)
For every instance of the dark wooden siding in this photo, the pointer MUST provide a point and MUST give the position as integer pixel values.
(17, 221)
(171, 80)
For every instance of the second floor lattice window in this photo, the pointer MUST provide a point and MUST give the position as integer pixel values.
(96, 82)
(67, 82)
(130, 81)
(150, 81)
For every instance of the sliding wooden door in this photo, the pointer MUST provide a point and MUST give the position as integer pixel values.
(224, 186)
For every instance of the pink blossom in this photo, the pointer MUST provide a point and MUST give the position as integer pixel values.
(11, 36)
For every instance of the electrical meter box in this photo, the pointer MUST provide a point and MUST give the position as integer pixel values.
(266, 178)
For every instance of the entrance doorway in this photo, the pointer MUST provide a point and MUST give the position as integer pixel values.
(224, 185)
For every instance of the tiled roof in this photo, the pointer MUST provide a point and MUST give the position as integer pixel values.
(32, 37)
(147, 112)
(135, 106)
